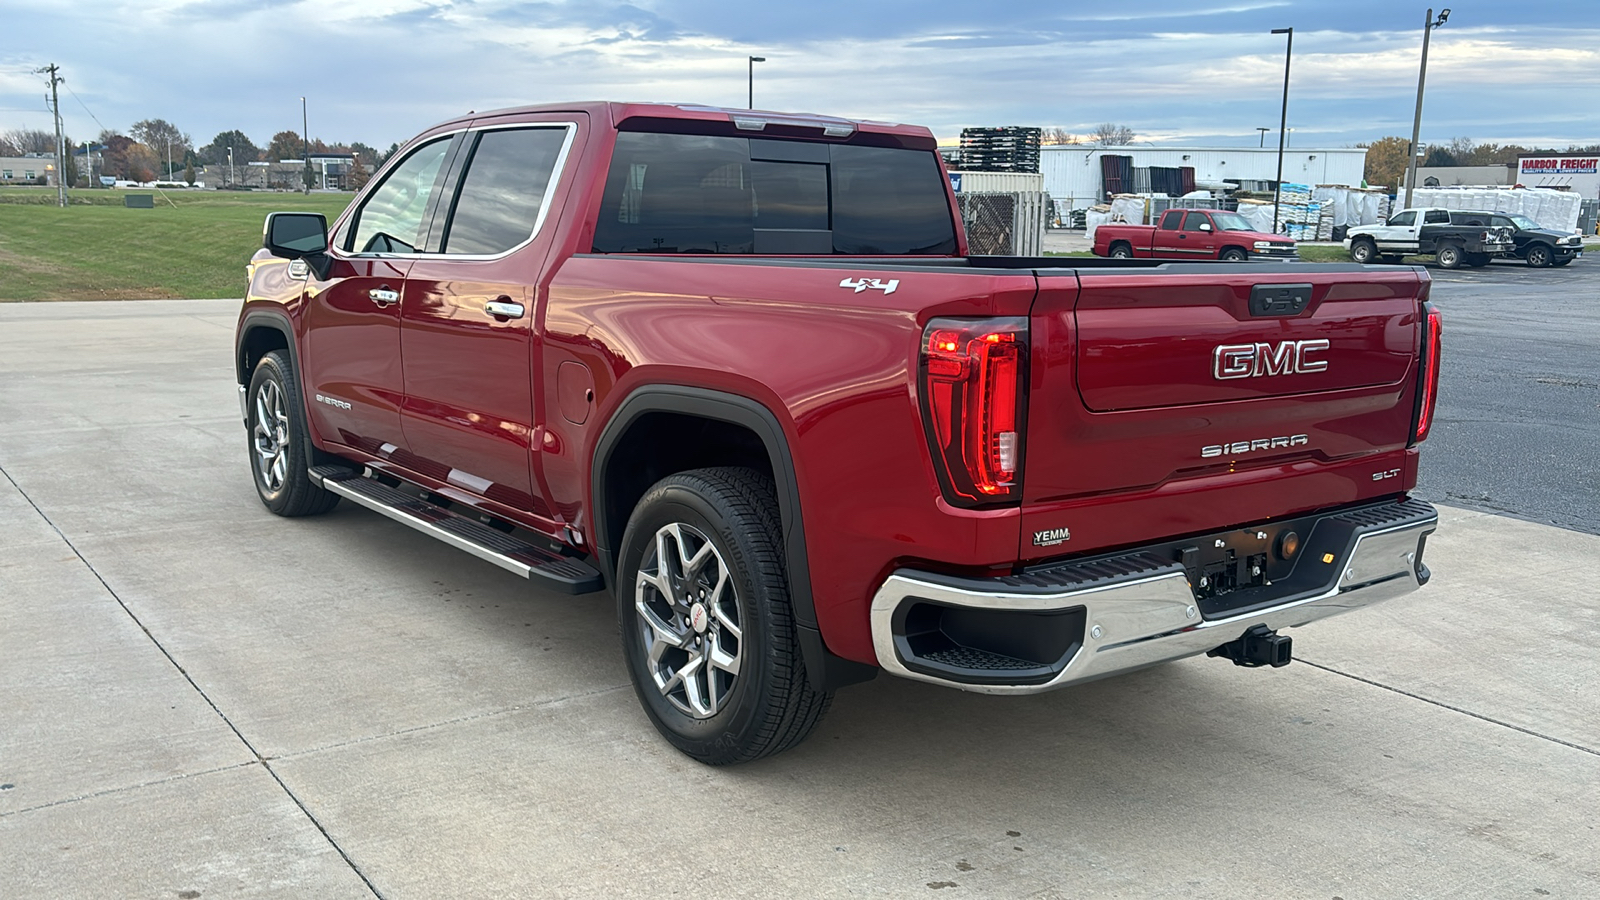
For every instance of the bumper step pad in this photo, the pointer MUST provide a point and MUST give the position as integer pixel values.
(557, 572)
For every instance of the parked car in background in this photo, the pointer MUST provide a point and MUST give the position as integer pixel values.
(1192, 234)
(1539, 247)
(1428, 231)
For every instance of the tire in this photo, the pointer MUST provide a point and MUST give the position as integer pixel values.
(1234, 254)
(1450, 256)
(279, 447)
(1364, 252)
(1120, 250)
(1478, 260)
(712, 537)
(1539, 256)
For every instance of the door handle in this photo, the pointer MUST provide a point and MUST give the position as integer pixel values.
(504, 308)
(383, 296)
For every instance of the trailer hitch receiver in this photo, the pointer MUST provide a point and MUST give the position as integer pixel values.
(1258, 646)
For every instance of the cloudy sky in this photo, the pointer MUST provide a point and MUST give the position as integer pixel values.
(1177, 71)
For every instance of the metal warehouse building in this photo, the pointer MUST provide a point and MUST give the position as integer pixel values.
(1072, 172)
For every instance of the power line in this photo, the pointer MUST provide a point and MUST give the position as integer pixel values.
(86, 108)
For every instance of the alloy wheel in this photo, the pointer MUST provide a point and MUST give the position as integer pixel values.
(271, 436)
(688, 620)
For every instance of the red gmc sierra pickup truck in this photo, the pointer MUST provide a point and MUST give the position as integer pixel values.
(736, 369)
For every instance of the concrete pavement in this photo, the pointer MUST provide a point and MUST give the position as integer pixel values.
(200, 700)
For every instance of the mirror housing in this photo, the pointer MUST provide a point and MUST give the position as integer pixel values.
(295, 235)
(1205, 226)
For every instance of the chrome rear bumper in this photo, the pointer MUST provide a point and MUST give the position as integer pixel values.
(1138, 609)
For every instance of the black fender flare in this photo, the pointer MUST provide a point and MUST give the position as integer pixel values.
(825, 670)
(263, 318)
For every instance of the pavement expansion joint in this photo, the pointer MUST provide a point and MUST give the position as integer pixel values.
(129, 787)
(1455, 709)
(445, 723)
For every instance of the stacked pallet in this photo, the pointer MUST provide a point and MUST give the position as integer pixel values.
(1298, 214)
(1008, 149)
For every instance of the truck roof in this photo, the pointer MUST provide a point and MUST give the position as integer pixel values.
(752, 120)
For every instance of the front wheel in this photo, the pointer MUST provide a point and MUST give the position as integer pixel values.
(279, 447)
(708, 633)
(1364, 252)
(1450, 256)
(1539, 256)
(1234, 254)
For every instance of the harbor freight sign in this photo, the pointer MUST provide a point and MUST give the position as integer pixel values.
(1580, 174)
(1561, 165)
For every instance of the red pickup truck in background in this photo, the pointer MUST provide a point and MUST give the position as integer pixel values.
(1192, 234)
(736, 369)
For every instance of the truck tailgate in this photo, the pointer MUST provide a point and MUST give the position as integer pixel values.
(1184, 398)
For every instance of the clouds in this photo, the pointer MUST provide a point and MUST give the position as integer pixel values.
(380, 70)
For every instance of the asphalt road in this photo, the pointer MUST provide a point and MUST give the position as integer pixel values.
(1518, 423)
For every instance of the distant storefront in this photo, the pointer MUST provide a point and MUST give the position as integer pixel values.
(1580, 174)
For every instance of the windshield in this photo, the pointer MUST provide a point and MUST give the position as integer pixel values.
(1523, 223)
(1231, 221)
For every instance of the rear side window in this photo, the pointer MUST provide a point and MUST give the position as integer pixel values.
(677, 193)
(391, 218)
(503, 191)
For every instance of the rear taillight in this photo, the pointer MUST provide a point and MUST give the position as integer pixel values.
(973, 385)
(1428, 381)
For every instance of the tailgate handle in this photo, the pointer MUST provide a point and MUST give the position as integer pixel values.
(1279, 299)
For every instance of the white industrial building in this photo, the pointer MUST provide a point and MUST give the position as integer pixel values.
(1072, 172)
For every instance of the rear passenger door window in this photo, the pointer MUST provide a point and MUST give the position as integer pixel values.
(1437, 217)
(394, 217)
(502, 199)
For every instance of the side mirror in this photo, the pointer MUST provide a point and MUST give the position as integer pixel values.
(292, 235)
(1205, 226)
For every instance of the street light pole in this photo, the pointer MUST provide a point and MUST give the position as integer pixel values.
(1428, 25)
(1263, 135)
(305, 133)
(753, 61)
(1283, 122)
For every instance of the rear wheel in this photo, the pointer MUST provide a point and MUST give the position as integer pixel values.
(279, 446)
(1121, 250)
(1450, 256)
(707, 630)
(1539, 256)
(1234, 254)
(1364, 252)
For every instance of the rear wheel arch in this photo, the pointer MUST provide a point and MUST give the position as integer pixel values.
(1120, 250)
(727, 430)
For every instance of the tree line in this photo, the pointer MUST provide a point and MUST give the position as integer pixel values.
(155, 149)
(1386, 157)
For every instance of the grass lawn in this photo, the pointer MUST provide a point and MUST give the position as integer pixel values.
(195, 247)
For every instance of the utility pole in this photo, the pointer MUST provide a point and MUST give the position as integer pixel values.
(1263, 129)
(55, 113)
(1428, 25)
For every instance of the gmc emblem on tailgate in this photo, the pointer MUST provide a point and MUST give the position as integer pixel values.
(1230, 361)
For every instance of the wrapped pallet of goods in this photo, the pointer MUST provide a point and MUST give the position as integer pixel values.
(1258, 213)
(1131, 209)
(1093, 218)
(1558, 210)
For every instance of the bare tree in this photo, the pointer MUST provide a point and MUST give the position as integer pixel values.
(1059, 136)
(1461, 148)
(30, 140)
(1111, 135)
(158, 135)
